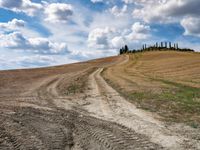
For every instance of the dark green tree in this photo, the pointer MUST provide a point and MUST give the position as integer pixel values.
(177, 46)
(126, 48)
(161, 44)
(120, 51)
(170, 45)
(156, 45)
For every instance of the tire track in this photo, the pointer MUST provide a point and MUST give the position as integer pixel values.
(113, 107)
(20, 137)
(103, 127)
(61, 129)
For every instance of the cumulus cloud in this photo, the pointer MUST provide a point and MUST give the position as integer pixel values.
(110, 38)
(140, 28)
(13, 40)
(96, 1)
(128, 1)
(88, 28)
(16, 40)
(139, 31)
(99, 37)
(139, 2)
(116, 11)
(12, 25)
(167, 10)
(35, 61)
(118, 41)
(180, 7)
(58, 12)
(171, 11)
(11, 4)
(191, 26)
(25, 6)
(26, 61)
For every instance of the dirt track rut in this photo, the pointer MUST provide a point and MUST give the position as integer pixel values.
(107, 104)
(43, 116)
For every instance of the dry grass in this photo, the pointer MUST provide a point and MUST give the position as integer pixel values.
(19, 82)
(164, 82)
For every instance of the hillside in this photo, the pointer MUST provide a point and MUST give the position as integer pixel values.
(165, 82)
(92, 105)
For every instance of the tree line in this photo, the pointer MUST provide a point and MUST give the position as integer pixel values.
(163, 46)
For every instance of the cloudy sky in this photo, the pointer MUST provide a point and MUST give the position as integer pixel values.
(38, 33)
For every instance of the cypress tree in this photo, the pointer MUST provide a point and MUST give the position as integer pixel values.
(120, 51)
(161, 44)
(170, 45)
(126, 49)
(177, 46)
(165, 44)
(174, 46)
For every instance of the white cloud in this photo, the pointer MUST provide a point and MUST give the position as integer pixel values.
(131, 37)
(11, 4)
(96, 1)
(25, 6)
(116, 11)
(26, 61)
(13, 40)
(139, 31)
(184, 12)
(12, 25)
(102, 31)
(167, 10)
(16, 40)
(58, 12)
(43, 45)
(140, 28)
(35, 61)
(139, 2)
(118, 41)
(191, 26)
(128, 1)
(86, 22)
(110, 38)
(99, 37)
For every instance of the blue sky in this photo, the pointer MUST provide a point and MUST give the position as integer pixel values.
(35, 33)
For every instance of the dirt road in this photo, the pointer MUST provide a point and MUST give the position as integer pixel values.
(73, 108)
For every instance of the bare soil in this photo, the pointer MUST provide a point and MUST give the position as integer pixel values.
(72, 107)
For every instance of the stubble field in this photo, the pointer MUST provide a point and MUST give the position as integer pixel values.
(72, 107)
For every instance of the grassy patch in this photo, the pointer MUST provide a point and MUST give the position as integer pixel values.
(179, 103)
(193, 124)
(74, 88)
(188, 97)
(78, 84)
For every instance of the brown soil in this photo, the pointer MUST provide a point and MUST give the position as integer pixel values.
(71, 107)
